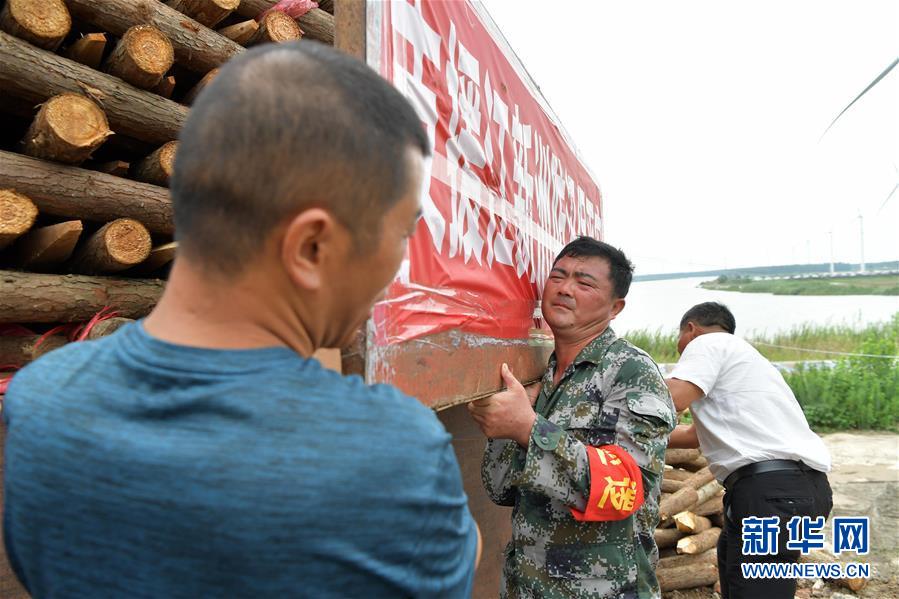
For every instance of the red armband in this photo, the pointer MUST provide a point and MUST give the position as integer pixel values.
(616, 485)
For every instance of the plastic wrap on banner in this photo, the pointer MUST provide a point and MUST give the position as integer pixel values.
(414, 311)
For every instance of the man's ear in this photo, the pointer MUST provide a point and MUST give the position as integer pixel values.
(310, 238)
(617, 307)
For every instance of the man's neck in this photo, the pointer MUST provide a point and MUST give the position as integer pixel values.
(198, 311)
(567, 349)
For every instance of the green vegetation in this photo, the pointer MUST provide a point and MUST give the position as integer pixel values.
(857, 285)
(856, 393)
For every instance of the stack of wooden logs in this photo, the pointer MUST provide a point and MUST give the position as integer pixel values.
(691, 512)
(92, 96)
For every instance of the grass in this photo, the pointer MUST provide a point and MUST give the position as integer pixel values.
(662, 345)
(857, 285)
(856, 393)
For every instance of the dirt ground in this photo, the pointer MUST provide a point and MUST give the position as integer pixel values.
(865, 482)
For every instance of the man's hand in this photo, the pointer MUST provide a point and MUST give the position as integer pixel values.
(508, 414)
(683, 437)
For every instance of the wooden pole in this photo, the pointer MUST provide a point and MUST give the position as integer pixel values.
(677, 474)
(276, 27)
(21, 350)
(67, 128)
(696, 465)
(254, 8)
(118, 245)
(819, 557)
(31, 297)
(318, 25)
(699, 478)
(71, 192)
(119, 168)
(671, 486)
(715, 505)
(690, 523)
(88, 50)
(206, 12)
(44, 23)
(157, 167)
(142, 57)
(680, 456)
(166, 87)
(17, 215)
(196, 47)
(699, 542)
(686, 498)
(191, 95)
(35, 75)
(709, 556)
(687, 577)
(667, 537)
(159, 256)
(107, 327)
(241, 32)
(47, 247)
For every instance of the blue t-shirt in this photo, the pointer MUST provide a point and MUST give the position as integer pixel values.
(138, 468)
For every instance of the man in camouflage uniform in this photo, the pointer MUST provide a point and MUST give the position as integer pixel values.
(582, 461)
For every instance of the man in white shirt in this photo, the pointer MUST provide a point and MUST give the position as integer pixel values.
(757, 441)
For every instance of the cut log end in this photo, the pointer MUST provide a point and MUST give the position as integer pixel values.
(689, 522)
(142, 57)
(118, 245)
(699, 542)
(46, 247)
(88, 50)
(44, 23)
(67, 128)
(159, 256)
(276, 27)
(241, 32)
(128, 241)
(165, 87)
(157, 167)
(17, 215)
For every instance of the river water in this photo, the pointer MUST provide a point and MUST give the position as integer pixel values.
(660, 304)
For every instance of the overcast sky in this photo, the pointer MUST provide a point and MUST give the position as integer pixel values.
(701, 121)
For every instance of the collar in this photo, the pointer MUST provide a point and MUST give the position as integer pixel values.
(593, 351)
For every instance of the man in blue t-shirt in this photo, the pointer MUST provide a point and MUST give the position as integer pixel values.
(201, 452)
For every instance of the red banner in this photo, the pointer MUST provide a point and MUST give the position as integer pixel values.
(506, 189)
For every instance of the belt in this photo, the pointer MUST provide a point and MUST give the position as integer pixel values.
(762, 468)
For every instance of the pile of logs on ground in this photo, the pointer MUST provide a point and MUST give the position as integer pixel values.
(93, 94)
(691, 512)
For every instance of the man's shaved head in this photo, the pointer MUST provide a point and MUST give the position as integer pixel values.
(283, 128)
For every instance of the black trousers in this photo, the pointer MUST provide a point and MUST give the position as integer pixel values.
(785, 493)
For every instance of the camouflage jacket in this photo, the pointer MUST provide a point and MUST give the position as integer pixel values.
(613, 393)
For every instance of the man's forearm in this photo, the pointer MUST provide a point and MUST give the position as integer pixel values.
(683, 437)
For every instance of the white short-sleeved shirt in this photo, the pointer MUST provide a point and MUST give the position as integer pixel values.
(749, 413)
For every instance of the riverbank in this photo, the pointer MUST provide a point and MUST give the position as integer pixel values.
(800, 343)
(841, 285)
